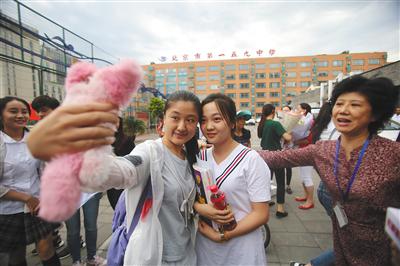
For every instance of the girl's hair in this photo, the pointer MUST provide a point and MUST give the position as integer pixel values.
(322, 121)
(123, 144)
(266, 111)
(192, 147)
(290, 108)
(226, 106)
(306, 107)
(381, 94)
(45, 101)
(7, 99)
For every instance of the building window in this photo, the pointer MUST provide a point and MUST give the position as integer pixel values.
(183, 87)
(305, 74)
(243, 67)
(213, 77)
(373, 61)
(182, 70)
(336, 73)
(290, 84)
(260, 104)
(276, 104)
(261, 85)
(358, 62)
(213, 68)
(274, 75)
(291, 74)
(260, 94)
(200, 87)
(322, 63)
(160, 71)
(305, 84)
(230, 67)
(274, 94)
(230, 86)
(274, 65)
(244, 85)
(243, 76)
(260, 75)
(337, 63)
(323, 74)
(260, 66)
(244, 95)
(201, 69)
(231, 95)
(274, 84)
(171, 70)
(214, 87)
(291, 64)
(201, 78)
(230, 77)
(305, 64)
(244, 104)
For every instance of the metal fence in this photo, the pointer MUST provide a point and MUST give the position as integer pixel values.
(35, 52)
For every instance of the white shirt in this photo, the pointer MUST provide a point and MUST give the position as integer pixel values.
(249, 181)
(330, 132)
(21, 173)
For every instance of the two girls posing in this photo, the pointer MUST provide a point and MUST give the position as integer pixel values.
(240, 172)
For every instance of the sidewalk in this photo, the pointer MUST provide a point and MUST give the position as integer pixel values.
(301, 236)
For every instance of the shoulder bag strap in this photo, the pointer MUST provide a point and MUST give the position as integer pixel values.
(146, 194)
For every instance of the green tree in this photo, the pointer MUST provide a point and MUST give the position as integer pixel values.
(156, 107)
(133, 126)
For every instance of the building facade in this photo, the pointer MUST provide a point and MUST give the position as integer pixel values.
(253, 82)
(28, 66)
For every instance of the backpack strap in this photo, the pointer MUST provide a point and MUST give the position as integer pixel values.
(143, 206)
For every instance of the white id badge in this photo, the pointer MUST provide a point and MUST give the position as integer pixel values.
(340, 215)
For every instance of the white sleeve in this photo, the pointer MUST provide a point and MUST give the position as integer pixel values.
(127, 171)
(258, 178)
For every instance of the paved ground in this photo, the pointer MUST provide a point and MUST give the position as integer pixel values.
(301, 236)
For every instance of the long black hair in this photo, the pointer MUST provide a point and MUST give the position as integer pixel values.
(322, 121)
(192, 147)
(123, 144)
(3, 103)
(266, 111)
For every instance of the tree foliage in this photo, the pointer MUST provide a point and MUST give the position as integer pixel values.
(133, 126)
(156, 107)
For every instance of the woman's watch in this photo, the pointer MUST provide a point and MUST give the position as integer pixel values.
(222, 236)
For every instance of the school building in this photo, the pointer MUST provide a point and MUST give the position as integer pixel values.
(252, 82)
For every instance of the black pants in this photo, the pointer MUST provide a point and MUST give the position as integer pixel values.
(113, 196)
(288, 176)
(280, 183)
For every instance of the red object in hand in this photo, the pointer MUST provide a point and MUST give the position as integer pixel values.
(219, 202)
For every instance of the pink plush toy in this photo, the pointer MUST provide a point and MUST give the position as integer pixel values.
(64, 175)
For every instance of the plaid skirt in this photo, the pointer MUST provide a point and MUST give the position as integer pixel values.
(22, 229)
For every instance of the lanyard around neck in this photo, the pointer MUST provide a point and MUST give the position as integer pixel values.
(353, 176)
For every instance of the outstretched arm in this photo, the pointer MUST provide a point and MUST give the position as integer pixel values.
(289, 158)
(71, 129)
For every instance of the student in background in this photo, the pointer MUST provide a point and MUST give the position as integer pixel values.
(19, 190)
(272, 133)
(240, 134)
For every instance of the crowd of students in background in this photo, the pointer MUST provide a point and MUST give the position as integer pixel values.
(359, 176)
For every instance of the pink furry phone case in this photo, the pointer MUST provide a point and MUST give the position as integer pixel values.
(64, 175)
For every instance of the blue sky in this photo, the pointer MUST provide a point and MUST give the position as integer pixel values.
(148, 30)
